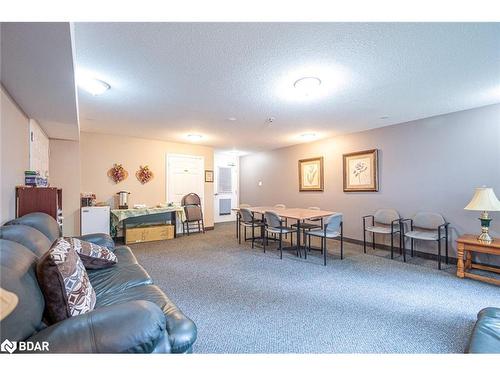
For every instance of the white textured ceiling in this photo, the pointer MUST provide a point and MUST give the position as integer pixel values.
(170, 79)
(37, 69)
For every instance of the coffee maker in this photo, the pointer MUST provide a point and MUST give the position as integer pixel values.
(123, 199)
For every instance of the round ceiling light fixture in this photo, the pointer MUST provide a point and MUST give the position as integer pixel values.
(232, 119)
(93, 86)
(308, 136)
(195, 137)
(307, 85)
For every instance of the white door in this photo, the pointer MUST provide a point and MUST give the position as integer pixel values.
(226, 186)
(185, 174)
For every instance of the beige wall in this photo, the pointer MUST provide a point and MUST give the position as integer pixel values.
(100, 151)
(14, 139)
(64, 163)
(431, 164)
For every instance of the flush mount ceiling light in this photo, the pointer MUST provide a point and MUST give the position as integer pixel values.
(311, 82)
(195, 137)
(231, 119)
(92, 85)
(308, 136)
(307, 85)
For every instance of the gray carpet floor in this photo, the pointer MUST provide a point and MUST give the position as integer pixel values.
(245, 301)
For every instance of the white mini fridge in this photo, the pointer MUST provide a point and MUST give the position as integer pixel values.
(94, 219)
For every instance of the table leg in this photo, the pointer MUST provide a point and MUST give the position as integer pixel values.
(298, 239)
(460, 262)
(468, 260)
(174, 222)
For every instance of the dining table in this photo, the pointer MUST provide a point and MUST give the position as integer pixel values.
(298, 214)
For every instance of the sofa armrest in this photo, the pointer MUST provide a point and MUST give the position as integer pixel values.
(131, 327)
(101, 239)
(181, 330)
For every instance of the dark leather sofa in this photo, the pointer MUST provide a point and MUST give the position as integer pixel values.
(485, 336)
(131, 314)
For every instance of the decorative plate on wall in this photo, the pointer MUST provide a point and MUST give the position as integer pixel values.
(144, 174)
(117, 173)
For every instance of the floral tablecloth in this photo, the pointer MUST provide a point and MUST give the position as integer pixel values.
(117, 216)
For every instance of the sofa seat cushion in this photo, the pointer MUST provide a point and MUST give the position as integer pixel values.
(181, 330)
(64, 282)
(93, 256)
(117, 279)
(485, 336)
(125, 256)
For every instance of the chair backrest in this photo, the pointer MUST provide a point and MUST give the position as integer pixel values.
(193, 212)
(280, 205)
(191, 199)
(386, 215)
(428, 220)
(40, 221)
(246, 215)
(332, 222)
(272, 219)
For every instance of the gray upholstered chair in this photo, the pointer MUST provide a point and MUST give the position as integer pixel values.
(248, 220)
(384, 221)
(238, 218)
(333, 228)
(274, 225)
(426, 226)
(192, 209)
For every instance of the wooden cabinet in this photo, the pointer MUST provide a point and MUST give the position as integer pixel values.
(38, 199)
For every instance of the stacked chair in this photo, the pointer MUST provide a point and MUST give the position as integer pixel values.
(194, 215)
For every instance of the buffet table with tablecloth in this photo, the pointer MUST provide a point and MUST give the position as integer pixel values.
(120, 215)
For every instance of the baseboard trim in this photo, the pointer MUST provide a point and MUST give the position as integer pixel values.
(209, 228)
(417, 253)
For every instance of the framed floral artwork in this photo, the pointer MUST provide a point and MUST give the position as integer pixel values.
(361, 171)
(209, 176)
(311, 174)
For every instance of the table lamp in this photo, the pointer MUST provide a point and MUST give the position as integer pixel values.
(484, 200)
(8, 302)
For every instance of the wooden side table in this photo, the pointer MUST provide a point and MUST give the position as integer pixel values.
(469, 243)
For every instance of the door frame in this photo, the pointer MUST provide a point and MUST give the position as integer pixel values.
(200, 158)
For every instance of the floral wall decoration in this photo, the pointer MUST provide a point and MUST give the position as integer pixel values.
(117, 173)
(144, 174)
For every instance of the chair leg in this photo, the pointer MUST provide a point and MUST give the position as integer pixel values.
(239, 235)
(237, 226)
(392, 245)
(253, 235)
(404, 247)
(412, 246)
(281, 245)
(264, 240)
(305, 248)
(187, 227)
(199, 229)
(439, 253)
(373, 240)
(446, 245)
(364, 237)
(324, 253)
(341, 246)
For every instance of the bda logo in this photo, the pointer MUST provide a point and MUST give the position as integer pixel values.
(8, 346)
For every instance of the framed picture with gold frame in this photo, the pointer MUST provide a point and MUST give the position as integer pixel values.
(311, 174)
(361, 171)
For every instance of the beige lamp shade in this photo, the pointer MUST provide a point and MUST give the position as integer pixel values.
(484, 199)
(8, 302)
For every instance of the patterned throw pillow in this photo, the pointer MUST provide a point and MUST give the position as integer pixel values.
(93, 256)
(64, 283)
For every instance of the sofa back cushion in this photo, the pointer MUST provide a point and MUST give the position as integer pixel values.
(17, 275)
(64, 283)
(40, 221)
(27, 236)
